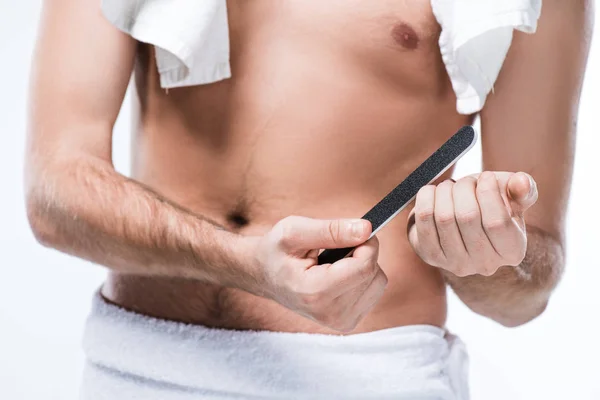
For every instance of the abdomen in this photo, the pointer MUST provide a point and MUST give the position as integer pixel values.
(302, 128)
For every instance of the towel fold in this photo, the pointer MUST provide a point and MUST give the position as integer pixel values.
(131, 356)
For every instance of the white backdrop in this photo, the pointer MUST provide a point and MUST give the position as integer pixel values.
(44, 295)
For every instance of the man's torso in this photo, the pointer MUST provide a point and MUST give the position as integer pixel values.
(329, 107)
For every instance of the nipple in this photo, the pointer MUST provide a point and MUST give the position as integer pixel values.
(405, 36)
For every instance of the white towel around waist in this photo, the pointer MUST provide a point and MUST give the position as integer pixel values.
(192, 39)
(131, 356)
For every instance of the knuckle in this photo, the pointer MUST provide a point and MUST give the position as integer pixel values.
(497, 224)
(445, 183)
(288, 234)
(425, 193)
(434, 258)
(467, 181)
(427, 255)
(445, 219)
(515, 257)
(368, 270)
(290, 220)
(422, 192)
(333, 230)
(307, 300)
(460, 271)
(292, 285)
(424, 215)
(468, 217)
(486, 190)
(312, 300)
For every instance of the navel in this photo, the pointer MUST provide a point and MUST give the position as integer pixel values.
(238, 216)
(238, 219)
(405, 35)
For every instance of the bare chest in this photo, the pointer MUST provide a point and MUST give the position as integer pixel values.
(397, 39)
(314, 84)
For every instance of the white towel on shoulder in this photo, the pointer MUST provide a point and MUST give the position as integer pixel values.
(192, 39)
(475, 38)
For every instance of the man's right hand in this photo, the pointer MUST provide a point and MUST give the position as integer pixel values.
(334, 295)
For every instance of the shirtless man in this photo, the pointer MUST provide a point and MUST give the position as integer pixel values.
(237, 185)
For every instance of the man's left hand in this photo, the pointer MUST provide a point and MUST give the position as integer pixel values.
(475, 225)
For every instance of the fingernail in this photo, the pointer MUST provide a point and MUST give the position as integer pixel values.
(357, 228)
(531, 186)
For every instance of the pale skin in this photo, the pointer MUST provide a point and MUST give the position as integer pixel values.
(475, 227)
(497, 237)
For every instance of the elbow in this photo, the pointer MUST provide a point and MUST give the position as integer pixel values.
(41, 215)
(522, 318)
(534, 303)
(40, 223)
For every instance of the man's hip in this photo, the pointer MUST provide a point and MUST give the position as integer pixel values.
(131, 356)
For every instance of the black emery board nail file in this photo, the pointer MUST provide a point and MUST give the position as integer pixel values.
(391, 205)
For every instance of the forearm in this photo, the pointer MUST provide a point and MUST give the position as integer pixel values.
(515, 295)
(85, 208)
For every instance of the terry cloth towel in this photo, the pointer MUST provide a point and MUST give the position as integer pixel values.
(474, 42)
(191, 38)
(131, 356)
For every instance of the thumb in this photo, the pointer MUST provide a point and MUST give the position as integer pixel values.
(300, 233)
(522, 192)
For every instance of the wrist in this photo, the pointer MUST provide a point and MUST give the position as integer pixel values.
(245, 271)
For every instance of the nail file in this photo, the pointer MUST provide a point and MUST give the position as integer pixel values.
(391, 205)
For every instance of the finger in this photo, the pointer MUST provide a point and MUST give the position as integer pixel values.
(362, 264)
(369, 250)
(502, 231)
(494, 210)
(372, 294)
(522, 192)
(519, 190)
(366, 300)
(424, 237)
(305, 234)
(468, 218)
(349, 273)
(445, 222)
